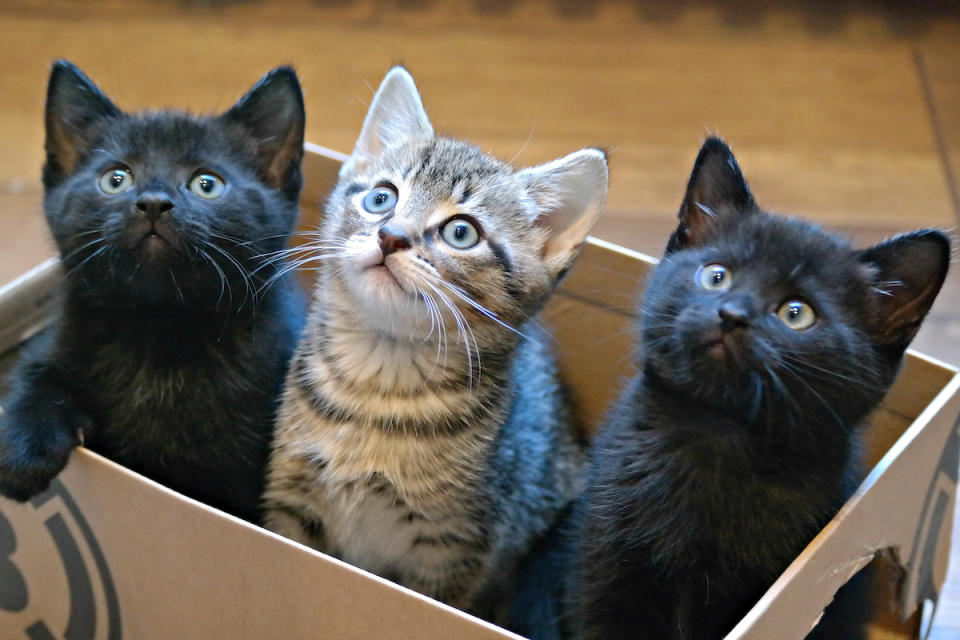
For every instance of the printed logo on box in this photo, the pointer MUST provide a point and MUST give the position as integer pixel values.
(932, 541)
(54, 580)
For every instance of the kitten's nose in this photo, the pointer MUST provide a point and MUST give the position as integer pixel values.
(735, 314)
(154, 205)
(393, 238)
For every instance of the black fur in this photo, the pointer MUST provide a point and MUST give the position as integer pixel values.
(168, 355)
(721, 461)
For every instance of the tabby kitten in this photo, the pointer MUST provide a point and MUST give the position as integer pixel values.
(765, 342)
(424, 435)
(167, 356)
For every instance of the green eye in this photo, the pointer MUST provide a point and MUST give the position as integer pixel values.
(715, 277)
(116, 180)
(206, 185)
(460, 234)
(797, 315)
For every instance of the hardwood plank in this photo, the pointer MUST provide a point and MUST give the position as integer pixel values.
(939, 65)
(805, 123)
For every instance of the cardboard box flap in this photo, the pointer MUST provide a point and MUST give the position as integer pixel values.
(105, 549)
(27, 303)
(904, 507)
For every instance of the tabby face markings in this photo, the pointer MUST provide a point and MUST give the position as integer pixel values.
(423, 260)
(429, 240)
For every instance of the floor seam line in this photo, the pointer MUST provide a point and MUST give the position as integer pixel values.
(938, 130)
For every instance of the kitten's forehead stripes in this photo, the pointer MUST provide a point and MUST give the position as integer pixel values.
(500, 253)
(354, 189)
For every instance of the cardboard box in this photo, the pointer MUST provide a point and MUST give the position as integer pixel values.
(106, 553)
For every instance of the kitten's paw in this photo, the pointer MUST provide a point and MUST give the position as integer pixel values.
(35, 447)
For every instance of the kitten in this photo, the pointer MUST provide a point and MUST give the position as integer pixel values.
(424, 435)
(765, 342)
(167, 356)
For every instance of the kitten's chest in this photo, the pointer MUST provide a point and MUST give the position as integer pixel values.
(703, 500)
(423, 472)
(206, 404)
(378, 508)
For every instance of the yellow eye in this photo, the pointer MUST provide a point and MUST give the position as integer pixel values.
(797, 315)
(715, 277)
(116, 180)
(207, 185)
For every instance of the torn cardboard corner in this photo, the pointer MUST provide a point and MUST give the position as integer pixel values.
(107, 554)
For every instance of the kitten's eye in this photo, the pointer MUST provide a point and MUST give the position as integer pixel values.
(797, 315)
(460, 234)
(116, 180)
(714, 277)
(206, 185)
(380, 200)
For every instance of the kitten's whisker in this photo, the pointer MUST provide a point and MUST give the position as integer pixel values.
(434, 317)
(293, 266)
(302, 248)
(527, 142)
(224, 282)
(826, 404)
(236, 241)
(250, 292)
(74, 252)
(804, 364)
(311, 249)
(86, 260)
(176, 286)
(464, 331)
(460, 293)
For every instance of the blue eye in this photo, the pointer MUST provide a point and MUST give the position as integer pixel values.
(380, 200)
(715, 277)
(207, 185)
(116, 180)
(797, 315)
(460, 234)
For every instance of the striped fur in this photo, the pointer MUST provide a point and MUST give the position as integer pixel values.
(424, 434)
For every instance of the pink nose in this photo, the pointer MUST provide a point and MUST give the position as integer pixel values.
(393, 238)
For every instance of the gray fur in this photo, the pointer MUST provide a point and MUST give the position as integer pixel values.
(421, 436)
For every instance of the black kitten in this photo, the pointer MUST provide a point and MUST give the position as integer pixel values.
(168, 356)
(765, 343)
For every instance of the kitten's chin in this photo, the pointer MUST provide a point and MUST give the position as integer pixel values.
(153, 245)
(720, 347)
(382, 279)
(385, 305)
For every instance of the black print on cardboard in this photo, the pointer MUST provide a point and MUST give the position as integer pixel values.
(936, 508)
(84, 621)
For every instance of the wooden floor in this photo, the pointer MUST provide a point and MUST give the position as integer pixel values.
(845, 112)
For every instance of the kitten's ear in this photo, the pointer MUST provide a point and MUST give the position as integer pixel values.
(569, 194)
(74, 106)
(716, 189)
(272, 113)
(396, 115)
(908, 271)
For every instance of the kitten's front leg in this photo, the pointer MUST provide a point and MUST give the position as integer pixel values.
(295, 524)
(41, 425)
